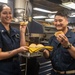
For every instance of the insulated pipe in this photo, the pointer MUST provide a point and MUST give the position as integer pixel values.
(19, 4)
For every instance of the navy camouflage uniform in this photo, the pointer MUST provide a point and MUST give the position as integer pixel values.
(8, 42)
(60, 57)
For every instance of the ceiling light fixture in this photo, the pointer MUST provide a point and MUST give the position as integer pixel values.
(43, 10)
(72, 16)
(4, 1)
(49, 20)
(69, 5)
(37, 17)
(51, 16)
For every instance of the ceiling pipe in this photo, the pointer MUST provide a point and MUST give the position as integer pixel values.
(23, 9)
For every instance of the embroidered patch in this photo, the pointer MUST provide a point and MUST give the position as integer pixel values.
(2, 31)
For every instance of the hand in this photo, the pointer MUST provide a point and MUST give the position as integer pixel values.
(63, 40)
(46, 53)
(23, 28)
(23, 49)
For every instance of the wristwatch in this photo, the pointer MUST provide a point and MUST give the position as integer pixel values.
(68, 46)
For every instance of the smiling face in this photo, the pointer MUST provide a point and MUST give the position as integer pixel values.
(6, 15)
(60, 22)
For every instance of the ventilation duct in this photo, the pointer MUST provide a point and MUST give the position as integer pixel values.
(19, 4)
(23, 9)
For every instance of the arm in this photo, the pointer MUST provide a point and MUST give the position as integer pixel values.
(72, 51)
(46, 53)
(22, 35)
(65, 42)
(8, 54)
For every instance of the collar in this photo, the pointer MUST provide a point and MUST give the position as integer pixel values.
(13, 31)
(69, 33)
(3, 30)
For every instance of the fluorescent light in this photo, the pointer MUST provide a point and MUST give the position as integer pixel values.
(51, 16)
(37, 17)
(70, 27)
(69, 5)
(4, 1)
(49, 20)
(72, 16)
(43, 10)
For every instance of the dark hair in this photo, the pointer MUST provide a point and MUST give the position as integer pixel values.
(63, 13)
(3, 5)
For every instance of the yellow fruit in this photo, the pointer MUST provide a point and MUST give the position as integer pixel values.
(32, 45)
(39, 45)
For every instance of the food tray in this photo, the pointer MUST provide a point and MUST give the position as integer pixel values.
(28, 54)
